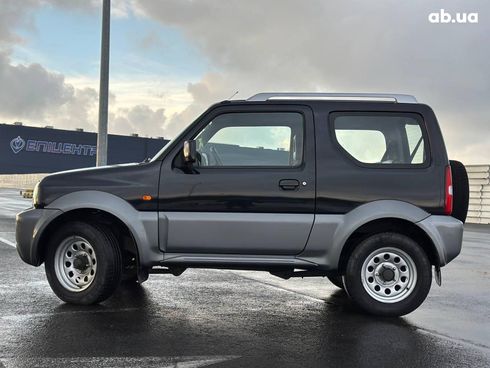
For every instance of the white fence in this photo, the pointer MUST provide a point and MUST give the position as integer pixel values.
(479, 209)
(479, 176)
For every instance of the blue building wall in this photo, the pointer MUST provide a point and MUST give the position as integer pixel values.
(26, 149)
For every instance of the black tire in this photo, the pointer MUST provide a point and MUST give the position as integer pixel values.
(129, 275)
(358, 292)
(461, 190)
(109, 263)
(337, 281)
(129, 271)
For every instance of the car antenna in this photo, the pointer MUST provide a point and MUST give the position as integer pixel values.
(233, 95)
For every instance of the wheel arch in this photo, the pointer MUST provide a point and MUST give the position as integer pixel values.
(141, 227)
(333, 236)
(388, 224)
(118, 227)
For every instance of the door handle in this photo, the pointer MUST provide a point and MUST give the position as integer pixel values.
(289, 184)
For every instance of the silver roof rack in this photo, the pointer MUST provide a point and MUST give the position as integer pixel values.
(380, 97)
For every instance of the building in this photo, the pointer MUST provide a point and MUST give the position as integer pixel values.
(25, 149)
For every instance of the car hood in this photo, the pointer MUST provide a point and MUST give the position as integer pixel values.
(128, 181)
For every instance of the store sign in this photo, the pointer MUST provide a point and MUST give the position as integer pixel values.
(62, 148)
(17, 144)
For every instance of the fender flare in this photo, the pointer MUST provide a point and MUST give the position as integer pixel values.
(338, 228)
(377, 210)
(143, 225)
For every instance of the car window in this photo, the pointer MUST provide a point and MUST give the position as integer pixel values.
(352, 142)
(252, 139)
(415, 140)
(384, 139)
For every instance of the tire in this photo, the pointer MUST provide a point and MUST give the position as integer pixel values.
(129, 270)
(367, 268)
(83, 263)
(337, 281)
(461, 190)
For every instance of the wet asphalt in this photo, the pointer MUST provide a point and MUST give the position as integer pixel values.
(239, 319)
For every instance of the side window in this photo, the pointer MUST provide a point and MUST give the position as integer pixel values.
(351, 140)
(252, 139)
(415, 143)
(383, 139)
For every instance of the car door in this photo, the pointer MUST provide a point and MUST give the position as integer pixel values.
(252, 191)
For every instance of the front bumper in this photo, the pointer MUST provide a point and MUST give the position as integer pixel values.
(446, 233)
(28, 230)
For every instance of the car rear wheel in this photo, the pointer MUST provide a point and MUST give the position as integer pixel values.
(83, 263)
(388, 274)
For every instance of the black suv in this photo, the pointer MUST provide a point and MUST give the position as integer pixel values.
(357, 188)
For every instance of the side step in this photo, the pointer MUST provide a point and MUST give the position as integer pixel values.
(234, 261)
(283, 274)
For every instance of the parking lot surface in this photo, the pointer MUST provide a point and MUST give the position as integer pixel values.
(239, 318)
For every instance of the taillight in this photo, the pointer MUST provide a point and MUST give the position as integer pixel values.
(448, 192)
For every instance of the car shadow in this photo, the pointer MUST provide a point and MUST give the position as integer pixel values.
(137, 322)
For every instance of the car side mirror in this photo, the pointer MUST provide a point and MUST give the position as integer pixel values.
(190, 152)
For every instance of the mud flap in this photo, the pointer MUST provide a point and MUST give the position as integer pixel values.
(438, 275)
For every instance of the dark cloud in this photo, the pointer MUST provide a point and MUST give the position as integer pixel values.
(35, 95)
(365, 46)
(311, 45)
(29, 90)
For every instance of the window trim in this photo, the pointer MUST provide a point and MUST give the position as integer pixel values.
(210, 118)
(416, 116)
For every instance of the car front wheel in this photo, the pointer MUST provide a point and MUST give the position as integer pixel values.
(83, 263)
(388, 274)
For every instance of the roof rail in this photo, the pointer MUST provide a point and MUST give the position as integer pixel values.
(380, 97)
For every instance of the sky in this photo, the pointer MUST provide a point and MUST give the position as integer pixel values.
(171, 59)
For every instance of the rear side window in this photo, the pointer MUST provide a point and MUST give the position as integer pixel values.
(381, 139)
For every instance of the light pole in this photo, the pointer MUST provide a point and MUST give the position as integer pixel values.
(104, 84)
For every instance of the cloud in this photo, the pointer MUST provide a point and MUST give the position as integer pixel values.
(352, 46)
(80, 111)
(14, 13)
(140, 119)
(29, 90)
(38, 96)
(209, 90)
(87, 5)
(256, 45)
